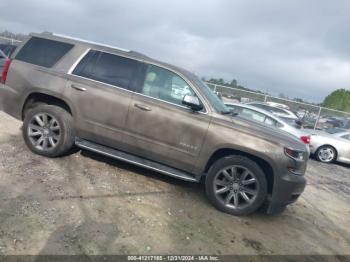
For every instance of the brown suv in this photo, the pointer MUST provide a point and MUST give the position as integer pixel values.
(128, 106)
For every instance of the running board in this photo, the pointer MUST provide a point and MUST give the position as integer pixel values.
(110, 152)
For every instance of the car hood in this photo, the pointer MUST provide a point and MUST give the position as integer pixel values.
(267, 133)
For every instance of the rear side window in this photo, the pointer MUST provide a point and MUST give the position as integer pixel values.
(271, 122)
(43, 52)
(86, 65)
(250, 114)
(107, 68)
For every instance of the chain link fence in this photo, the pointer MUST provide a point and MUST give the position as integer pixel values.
(10, 41)
(312, 116)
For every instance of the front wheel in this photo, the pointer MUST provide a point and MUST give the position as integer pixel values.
(48, 130)
(236, 185)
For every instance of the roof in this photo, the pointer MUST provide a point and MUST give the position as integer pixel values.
(112, 49)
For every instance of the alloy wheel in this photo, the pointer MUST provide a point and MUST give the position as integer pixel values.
(44, 131)
(326, 154)
(236, 186)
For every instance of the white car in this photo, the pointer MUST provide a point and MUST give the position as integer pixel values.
(276, 110)
(331, 145)
(274, 104)
(262, 116)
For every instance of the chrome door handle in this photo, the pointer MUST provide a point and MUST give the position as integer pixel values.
(142, 107)
(78, 88)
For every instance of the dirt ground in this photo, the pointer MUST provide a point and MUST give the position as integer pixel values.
(87, 204)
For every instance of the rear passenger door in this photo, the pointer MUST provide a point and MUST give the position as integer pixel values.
(100, 88)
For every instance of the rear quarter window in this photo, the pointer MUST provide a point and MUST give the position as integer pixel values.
(43, 52)
(107, 68)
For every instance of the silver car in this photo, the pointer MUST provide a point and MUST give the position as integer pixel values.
(276, 110)
(260, 115)
(331, 145)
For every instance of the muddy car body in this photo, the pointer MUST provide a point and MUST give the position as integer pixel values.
(120, 103)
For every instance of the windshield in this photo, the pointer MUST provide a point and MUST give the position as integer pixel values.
(214, 100)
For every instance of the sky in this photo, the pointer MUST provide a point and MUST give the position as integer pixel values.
(295, 47)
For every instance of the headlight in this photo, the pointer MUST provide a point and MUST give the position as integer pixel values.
(294, 154)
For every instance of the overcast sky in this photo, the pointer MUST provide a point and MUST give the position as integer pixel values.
(299, 48)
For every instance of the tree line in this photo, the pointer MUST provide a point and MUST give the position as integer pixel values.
(338, 100)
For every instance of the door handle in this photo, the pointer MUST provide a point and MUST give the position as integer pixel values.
(78, 88)
(142, 107)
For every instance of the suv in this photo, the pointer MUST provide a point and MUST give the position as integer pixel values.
(123, 105)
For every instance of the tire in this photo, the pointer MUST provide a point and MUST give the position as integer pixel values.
(326, 154)
(53, 126)
(249, 183)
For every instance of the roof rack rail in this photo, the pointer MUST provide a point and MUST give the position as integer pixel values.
(88, 42)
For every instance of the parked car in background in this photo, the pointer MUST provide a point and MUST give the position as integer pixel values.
(346, 124)
(8, 49)
(274, 104)
(327, 122)
(277, 111)
(122, 104)
(257, 114)
(3, 58)
(331, 145)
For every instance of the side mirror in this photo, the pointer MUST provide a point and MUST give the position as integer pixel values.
(192, 102)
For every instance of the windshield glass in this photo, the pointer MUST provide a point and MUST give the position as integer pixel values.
(213, 98)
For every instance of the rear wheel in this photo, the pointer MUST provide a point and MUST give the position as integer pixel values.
(326, 154)
(236, 185)
(48, 130)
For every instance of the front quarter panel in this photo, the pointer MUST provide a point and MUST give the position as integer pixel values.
(249, 139)
(226, 135)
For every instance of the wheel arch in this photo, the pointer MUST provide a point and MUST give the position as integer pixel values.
(263, 163)
(47, 98)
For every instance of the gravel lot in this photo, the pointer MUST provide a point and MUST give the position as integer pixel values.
(87, 204)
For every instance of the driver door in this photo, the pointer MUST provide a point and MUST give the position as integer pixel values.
(159, 127)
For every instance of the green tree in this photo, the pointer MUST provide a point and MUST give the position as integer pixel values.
(339, 100)
(233, 83)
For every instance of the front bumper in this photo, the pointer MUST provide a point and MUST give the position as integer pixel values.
(286, 190)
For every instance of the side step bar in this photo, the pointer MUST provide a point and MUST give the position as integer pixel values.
(110, 152)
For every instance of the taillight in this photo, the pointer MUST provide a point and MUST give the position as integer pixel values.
(5, 70)
(305, 139)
